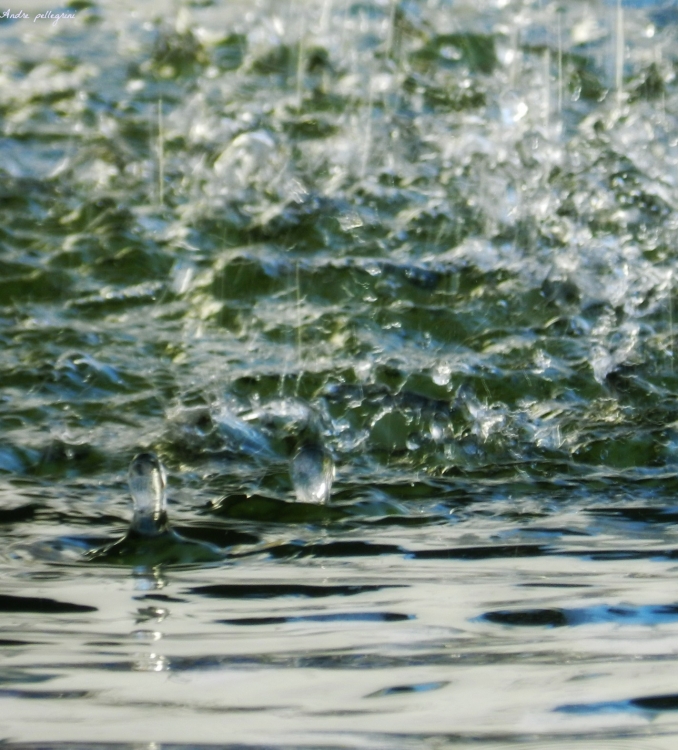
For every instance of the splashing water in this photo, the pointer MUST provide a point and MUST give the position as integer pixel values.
(222, 223)
(150, 541)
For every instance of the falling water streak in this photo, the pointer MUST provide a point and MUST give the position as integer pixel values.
(435, 242)
(161, 156)
(300, 62)
(390, 103)
(390, 33)
(547, 86)
(658, 63)
(152, 149)
(368, 130)
(326, 17)
(671, 317)
(344, 29)
(299, 341)
(515, 44)
(559, 33)
(619, 54)
(289, 353)
(289, 14)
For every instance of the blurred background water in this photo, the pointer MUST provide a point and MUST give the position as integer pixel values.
(446, 231)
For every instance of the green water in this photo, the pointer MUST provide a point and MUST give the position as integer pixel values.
(446, 230)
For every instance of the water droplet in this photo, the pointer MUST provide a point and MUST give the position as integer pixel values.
(442, 374)
(312, 472)
(350, 220)
(147, 484)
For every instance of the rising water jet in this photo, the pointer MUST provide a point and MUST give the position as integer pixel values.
(150, 540)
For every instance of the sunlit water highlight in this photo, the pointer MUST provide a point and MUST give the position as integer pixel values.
(388, 286)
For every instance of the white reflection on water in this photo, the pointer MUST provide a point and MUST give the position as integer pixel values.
(363, 678)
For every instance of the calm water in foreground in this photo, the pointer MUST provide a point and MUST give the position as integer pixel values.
(443, 232)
